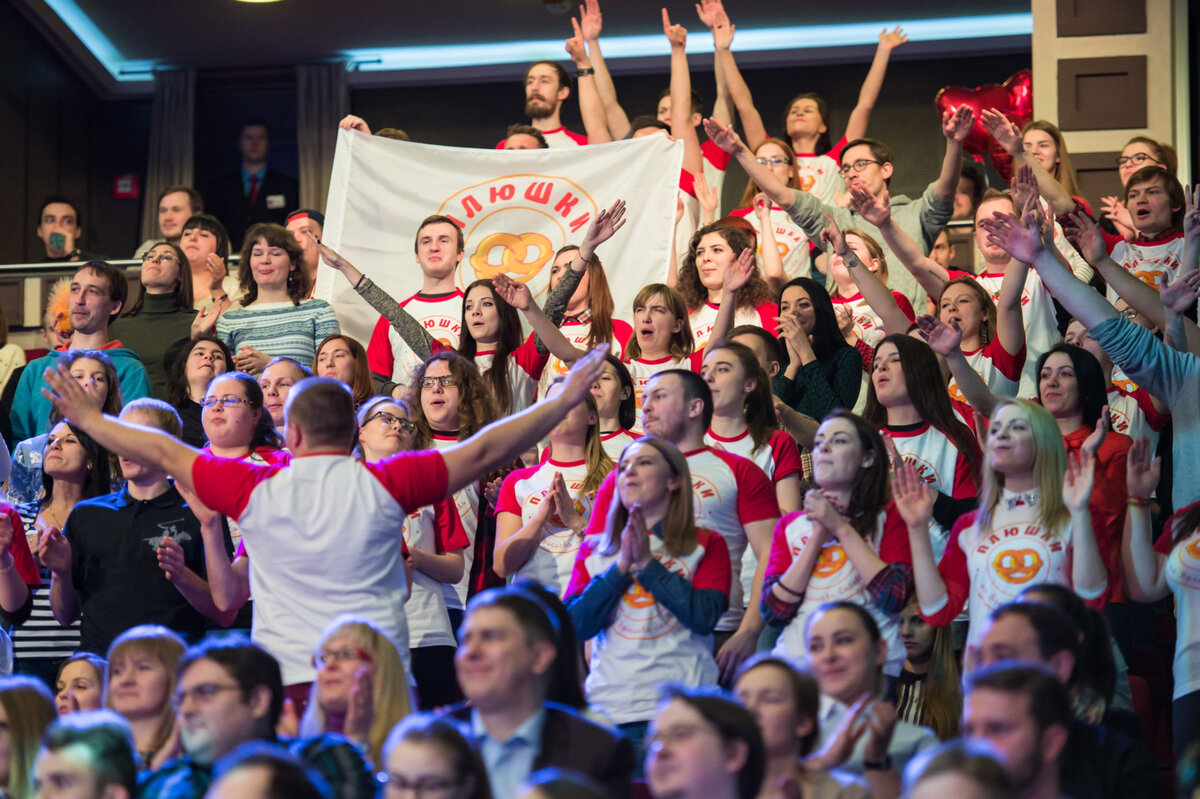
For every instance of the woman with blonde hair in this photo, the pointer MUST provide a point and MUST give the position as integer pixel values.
(649, 590)
(140, 683)
(362, 689)
(1032, 526)
(26, 710)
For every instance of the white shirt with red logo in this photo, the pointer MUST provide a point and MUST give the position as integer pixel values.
(868, 326)
(1150, 261)
(703, 318)
(729, 492)
(819, 174)
(940, 464)
(1182, 569)
(834, 579)
(1041, 323)
(441, 315)
(1133, 411)
(614, 443)
(644, 644)
(1000, 369)
(525, 366)
(435, 529)
(793, 245)
(521, 494)
(578, 333)
(466, 502)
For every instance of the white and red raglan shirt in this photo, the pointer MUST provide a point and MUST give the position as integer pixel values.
(436, 529)
(441, 315)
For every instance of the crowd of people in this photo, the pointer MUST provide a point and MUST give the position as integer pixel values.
(822, 514)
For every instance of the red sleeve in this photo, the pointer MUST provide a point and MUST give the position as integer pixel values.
(379, 350)
(579, 574)
(225, 484)
(414, 479)
(578, 138)
(1111, 240)
(905, 306)
(19, 549)
(604, 499)
(767, 311)
(714, 572)
(500, 144)
(965, 412)
(687, 182)
(508, 502)
(715, 155)
(756, 496)
(780, 558)
(836, 151)
(622, 332)
(964, 483)
(448, 527)
(893, 544)
(695, 361)
(529, 359)
(955, 575)
(1157, 421)
(742, 212)
(786, 455)
(1010, 364)
(955, 274)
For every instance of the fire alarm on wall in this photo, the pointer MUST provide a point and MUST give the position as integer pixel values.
(125, 187)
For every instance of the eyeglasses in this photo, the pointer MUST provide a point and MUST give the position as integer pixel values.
(164, 257)
(226, 401)
(1129, 312)
(393, 421)
(677, 734)
(331, 656)
(857, 166)
(774, 160)
(1138, 159)
(426, 786)
(445, 381)
(200, 694)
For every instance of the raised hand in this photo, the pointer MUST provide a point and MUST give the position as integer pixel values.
(351, 122)
(706, 196)
(723, 31)
(1142, 469)
(876, 210)
(360, 712)
(724, 137)
(1116, 212)
(891, 39)
(69, 397)
(217, 271)
(575, 47)
(590, 21)
(1191, 216)
(1025, 191)
(739, 272)
(1088, 237)
(1002, 129)
(1021, 242)
(1080, 476)
(956, 124)
(54, 550)
(514, 292)
(1180, 294)
(170, 558)
(911, 495)
(762, 207)
(580, 377)
(709, 11)
(206, 320)
(603, 227)
(832, 235)
(676, 34)
(942, 338)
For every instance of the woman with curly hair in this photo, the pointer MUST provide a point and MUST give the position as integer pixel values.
(712, 250)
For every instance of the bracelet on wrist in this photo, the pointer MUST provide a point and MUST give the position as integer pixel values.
(583, 72)
(1138, 502)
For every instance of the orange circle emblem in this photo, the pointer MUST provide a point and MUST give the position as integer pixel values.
(832, 559)
(638, 597)
(515, 254)
(1193, 549)
(1017, 566)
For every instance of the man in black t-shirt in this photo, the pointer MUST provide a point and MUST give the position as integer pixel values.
(135, 556)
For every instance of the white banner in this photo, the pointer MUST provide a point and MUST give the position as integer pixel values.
(517, 208)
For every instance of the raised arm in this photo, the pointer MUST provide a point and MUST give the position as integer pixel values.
(956, 126)
(591, 106)
(1010, 319)
(737, 274)
(1089, 578)
(591, 23)
(1145, 577)
(730, 77)
(144, 444)
(502, 441)
(712, 14)
(878, 211)
(878, 296)
(915, 504)
(724, 137)
(1006, 134)
(1178, 297)
(946, 341)
(856, 127)
(771, 259)
(681, 96)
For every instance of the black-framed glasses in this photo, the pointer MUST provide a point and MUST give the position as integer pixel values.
(164, 257)
(445, 381)
(200, 693)
(1138, 159)
(391, 420)
(227, 401)
(857, 166)
(425, 786)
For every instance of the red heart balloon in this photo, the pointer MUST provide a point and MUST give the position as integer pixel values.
(1014, 98)
(1020, 94)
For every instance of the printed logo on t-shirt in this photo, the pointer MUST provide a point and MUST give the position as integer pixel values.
(833, 577)
(1183, 566)
(925, 470)
(1120, 421)
(170, 530)
(561, 539)
(1017, 556)
(446, 329)
(1017, 566)
(639, 615)
(704, 491)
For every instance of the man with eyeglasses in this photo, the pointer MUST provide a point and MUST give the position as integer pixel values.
(866, 163)
(97, 295)
(323, 534)
(230, 692)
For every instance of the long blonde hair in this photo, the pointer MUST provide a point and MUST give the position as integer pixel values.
(679, 523)
(390, 693)
(1049, 465)
(30, 709)
(160, 643)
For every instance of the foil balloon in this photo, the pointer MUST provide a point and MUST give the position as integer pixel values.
(1013, 98)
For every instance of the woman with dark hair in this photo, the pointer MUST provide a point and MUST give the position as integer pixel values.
(822, 372)
(205, 242)
(703, 745)
(200, 360)
(343, 358)
(647, 622)
(616, 406)
(161, 319)
(928, 693)
(714, 249)
(849, 543)
(786, 704)
(273, 317)
(427, 754)
(436, 541)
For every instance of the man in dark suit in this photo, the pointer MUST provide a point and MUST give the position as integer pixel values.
(255, 193)
(506, 659)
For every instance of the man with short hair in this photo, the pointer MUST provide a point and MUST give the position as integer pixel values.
(86, 755)
(524, 137)
(505, 663)
(304, 568)
(97, 294)
(733, 497)
(176, 205)
(255, 193)
(1024, 712)
(261, 770)
(308, 225)
(547, 87)
(230, 692)
(59, 228)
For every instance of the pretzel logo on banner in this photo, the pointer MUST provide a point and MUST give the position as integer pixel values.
(1017, 566)
(514, 224)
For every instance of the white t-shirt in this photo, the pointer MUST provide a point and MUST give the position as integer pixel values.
(793, 245)
(1000, 369)
(868, 325)
(1041, 324)
(703, 318)
(641, 370)
(525, 366)
(466, 502)
(435, 529)
(1183, 577)
(440, 314)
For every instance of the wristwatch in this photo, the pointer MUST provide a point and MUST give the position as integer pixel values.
(878, 765)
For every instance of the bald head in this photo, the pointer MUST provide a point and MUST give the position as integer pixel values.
(321, 410)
